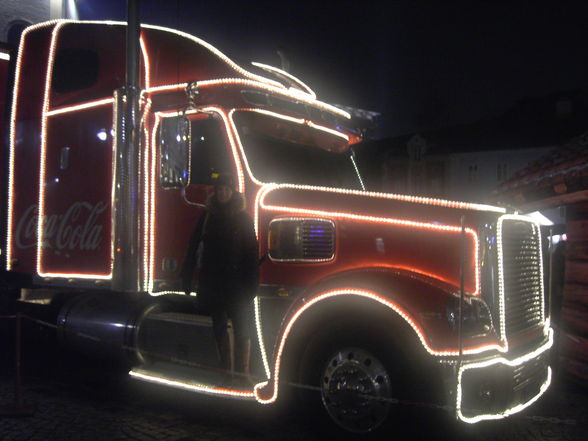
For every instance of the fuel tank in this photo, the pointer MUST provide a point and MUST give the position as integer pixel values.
(137, 329)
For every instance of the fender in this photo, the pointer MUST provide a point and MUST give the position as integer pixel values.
(398, 293)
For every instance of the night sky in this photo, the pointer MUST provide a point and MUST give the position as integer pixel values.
(420, 64)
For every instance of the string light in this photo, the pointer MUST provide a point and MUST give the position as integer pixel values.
(380, 220)
(261, 388)
(44, 122)
(190, 386)
(276, 90)
(259, 327)
(511, 363)
(357, 173)
(77, 107)
(12, 149)
(305, 89)
(152, 223)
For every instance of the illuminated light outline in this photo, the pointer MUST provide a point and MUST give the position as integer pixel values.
(264, 82)
(150, 225)
(10, 221)
(516, 362)
(326, 129)
(501, 289)
(4, 56)
(59, 24)
(161, 293)
(360, 293)
(276, 90)
(307, 91)
(399, 197)
(219, 54)
(151, 229)
(146, 62)
(192, 387)
(77, 107)
(383, 220)
(246, 161)
(146, 192)
(12, 147)
(43, 153)
(211, 48)
(393, 196)
(300, 121)
(302, 260)
(164, 88)
(259, 328)
(357, 172)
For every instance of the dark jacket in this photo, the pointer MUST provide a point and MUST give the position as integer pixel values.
(228, 257)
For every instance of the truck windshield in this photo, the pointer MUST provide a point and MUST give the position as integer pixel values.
(284, 151)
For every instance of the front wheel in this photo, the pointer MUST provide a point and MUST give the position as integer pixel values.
(355, 379)
(355, 389)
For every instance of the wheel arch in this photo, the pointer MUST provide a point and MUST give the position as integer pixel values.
(338, 300)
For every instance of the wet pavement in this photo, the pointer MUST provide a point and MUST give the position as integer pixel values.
(79, 399)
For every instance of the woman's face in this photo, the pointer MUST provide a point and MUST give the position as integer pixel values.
(223, 194)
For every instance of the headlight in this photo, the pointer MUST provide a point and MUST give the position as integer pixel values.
(301, 240)
(475, 313)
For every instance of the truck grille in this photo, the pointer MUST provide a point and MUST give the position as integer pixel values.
(522, 284)
(528, 377)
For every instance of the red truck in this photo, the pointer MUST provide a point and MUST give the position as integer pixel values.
(365, 296)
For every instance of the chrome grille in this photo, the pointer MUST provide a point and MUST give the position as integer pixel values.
(528, 377)
(522, 276)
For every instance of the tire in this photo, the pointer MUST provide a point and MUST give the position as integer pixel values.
(354, 383)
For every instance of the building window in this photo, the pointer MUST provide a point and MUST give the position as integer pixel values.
(473, 173)
(501, 171)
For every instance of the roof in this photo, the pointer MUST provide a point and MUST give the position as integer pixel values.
(558, 178)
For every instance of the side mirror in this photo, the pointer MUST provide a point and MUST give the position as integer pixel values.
(174, 141)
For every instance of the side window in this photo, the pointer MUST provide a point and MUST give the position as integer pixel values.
(208, 153)
(75, 69)
(174, 142)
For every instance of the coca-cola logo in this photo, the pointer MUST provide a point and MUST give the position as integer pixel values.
(76, 229)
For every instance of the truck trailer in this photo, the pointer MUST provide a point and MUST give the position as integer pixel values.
(365, 296)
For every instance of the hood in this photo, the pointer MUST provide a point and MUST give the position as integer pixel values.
(376, 205)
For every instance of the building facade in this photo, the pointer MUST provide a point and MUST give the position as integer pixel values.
(15, 15)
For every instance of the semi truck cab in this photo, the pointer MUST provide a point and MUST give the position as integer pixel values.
(359, 289)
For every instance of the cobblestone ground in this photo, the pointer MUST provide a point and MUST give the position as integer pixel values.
(118, 408)
(82, 401)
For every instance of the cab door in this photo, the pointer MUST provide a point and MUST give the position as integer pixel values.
(192, 150)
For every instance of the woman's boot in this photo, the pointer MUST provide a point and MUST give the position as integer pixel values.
(242, 363)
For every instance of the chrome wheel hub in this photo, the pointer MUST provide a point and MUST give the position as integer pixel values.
(354, 389)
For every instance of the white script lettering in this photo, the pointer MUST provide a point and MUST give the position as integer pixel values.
(77, 228)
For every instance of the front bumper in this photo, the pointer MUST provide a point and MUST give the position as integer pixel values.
(497, 387)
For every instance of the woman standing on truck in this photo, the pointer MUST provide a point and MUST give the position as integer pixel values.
(224, 246)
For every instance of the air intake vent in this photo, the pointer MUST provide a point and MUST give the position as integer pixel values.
(302, 240)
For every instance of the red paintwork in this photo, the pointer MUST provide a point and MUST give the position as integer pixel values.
(405, 247)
